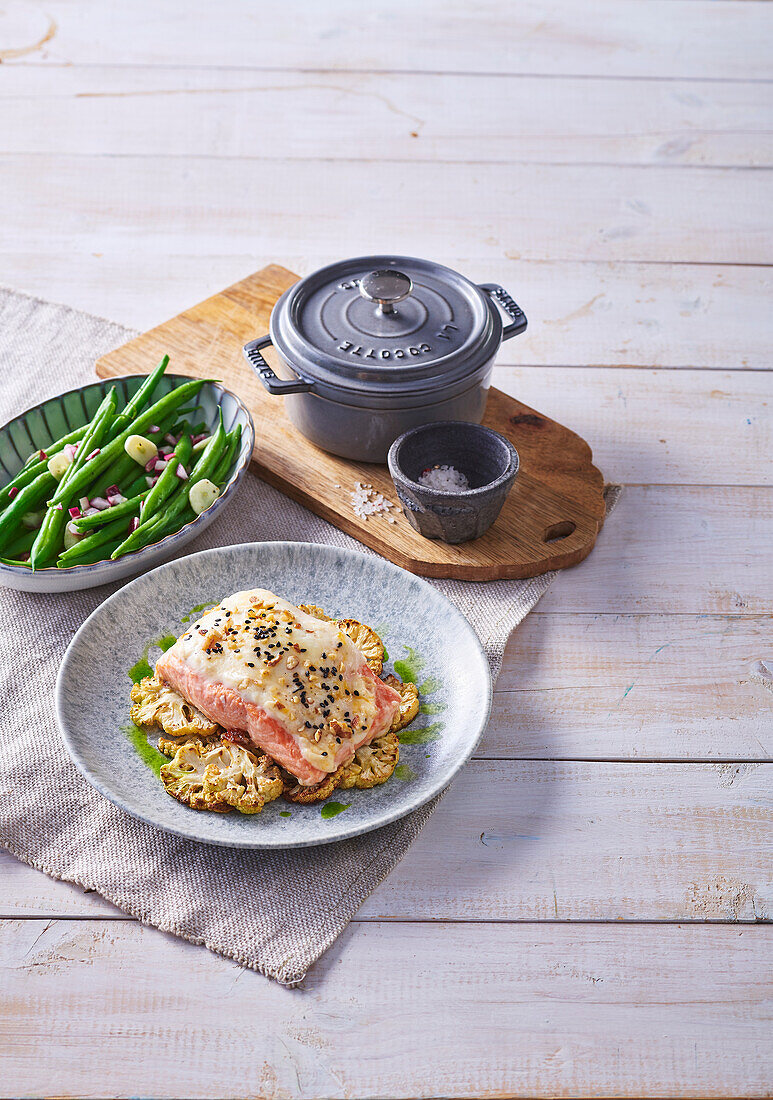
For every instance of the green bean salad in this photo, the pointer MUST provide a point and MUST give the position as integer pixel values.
(123, 481)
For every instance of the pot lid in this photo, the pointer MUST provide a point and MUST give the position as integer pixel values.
(385, 324)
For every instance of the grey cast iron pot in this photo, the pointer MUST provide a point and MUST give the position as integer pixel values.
(488, 461)
(376, 345)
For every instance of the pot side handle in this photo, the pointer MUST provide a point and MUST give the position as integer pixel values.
(500, 296)
(275, 385)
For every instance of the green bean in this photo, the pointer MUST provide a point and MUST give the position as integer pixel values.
(26, 500)
(179, 500)
(224, 465)
(96, 432)
(50, 534)
(141, 398)
(34, 465)
(168, 479)
(21, 544)
(107, 534)
(155, 532)
(128, 507)
(169, 402)
(15, 561)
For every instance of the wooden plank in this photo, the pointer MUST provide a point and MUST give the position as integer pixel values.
(673, 38)
(717, 215)
(676, 549)
(545, 840)
(658, 687)
(603, 314)
(392, 1010)
(659, 426)
(176, 111)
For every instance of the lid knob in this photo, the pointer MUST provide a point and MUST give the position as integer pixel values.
(385, 287)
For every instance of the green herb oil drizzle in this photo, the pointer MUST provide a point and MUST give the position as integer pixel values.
(197, 611)
(405, 772)
(147, 753)
(331, 809)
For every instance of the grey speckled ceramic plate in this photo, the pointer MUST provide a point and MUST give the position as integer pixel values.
(424, 634)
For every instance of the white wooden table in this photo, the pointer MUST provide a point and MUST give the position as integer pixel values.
(586, 914)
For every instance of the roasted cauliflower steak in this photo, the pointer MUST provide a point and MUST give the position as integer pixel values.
(156, 704)
(372, 764)
(219, 776)
(296, 792)
(409, 702)
(367, 641)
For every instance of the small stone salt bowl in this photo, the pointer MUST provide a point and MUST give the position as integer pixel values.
(487, 460)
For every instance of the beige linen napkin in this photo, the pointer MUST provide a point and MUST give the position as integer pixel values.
(276, 912)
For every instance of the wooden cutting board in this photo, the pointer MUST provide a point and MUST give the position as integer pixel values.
(549, 521)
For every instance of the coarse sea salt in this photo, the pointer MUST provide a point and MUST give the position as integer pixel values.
(366, 501)
(446, 478)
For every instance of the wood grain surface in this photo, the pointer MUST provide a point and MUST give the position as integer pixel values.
(551, 516)
(609, 164)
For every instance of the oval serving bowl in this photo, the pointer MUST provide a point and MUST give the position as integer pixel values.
(51, 419)
(416, 622)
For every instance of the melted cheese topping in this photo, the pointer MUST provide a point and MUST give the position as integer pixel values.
(302, 671)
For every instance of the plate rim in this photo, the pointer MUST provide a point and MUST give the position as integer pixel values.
(254, 845)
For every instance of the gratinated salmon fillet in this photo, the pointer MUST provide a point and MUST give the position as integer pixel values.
(297, 686)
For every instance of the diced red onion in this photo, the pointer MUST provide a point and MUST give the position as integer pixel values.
(153, 429)
(170, 439)
(150, 482)
(99, 503)
(180, 471)
(158, 465)
(133, 524)
(69, 450)
(13, 491)
(25, 556)
(198, 438)
(164, 450)
(58, 507)
(93, 454)
(85, 503)
(43, 456)
(115, 498)
(150, 465)
(74, 512)
(91, 511)
(112, 491)
(73, 529)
